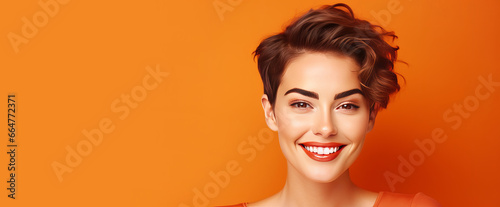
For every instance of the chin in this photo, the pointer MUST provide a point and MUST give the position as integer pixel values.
(322, 175)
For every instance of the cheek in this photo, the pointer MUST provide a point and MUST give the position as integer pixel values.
(353, 127)
(292, 126)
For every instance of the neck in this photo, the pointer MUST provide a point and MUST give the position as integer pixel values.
(300, 191)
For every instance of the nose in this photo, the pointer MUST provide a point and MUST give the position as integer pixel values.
(324, 125)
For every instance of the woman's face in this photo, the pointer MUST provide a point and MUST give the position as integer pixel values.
(320, 114)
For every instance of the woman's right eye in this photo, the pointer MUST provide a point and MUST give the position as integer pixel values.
(301, 105)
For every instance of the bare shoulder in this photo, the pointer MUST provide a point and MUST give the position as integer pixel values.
(366, 198)
(271, 201)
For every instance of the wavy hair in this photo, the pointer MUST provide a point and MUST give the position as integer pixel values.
(333, 28)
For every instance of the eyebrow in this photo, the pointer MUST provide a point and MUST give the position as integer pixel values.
(316, 96)
(348, 93)
(303, 92)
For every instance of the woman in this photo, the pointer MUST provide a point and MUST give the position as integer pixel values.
(325, 78)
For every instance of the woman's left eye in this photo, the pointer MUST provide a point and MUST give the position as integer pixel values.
(348, 106)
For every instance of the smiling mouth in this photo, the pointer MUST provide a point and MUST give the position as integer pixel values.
(322, 152)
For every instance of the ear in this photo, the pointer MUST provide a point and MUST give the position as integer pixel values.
(269, 113)
(371, 121)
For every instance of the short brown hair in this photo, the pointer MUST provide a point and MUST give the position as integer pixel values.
(333, 28)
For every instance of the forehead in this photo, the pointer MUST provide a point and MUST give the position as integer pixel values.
(321, 72)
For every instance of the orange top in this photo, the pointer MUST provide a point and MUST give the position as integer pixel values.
(387, 199)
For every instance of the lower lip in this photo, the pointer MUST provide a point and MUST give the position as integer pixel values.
(322, 158)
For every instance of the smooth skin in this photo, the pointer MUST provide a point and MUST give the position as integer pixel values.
(299, 118)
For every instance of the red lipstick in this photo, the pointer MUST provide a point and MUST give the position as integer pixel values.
(322, 152)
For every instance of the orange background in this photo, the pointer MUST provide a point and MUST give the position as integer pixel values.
(203, 115)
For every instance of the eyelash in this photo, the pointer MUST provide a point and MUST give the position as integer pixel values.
(296, 104)
(346, 106)
(352, 106)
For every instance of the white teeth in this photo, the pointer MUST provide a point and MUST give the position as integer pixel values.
(322, 150)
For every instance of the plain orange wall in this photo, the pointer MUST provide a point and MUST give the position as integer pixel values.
(203, 119)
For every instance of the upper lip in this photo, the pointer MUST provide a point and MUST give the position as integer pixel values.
(319, 144)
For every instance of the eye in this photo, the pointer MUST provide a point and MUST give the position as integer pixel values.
(301, 105)
(348, 106)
